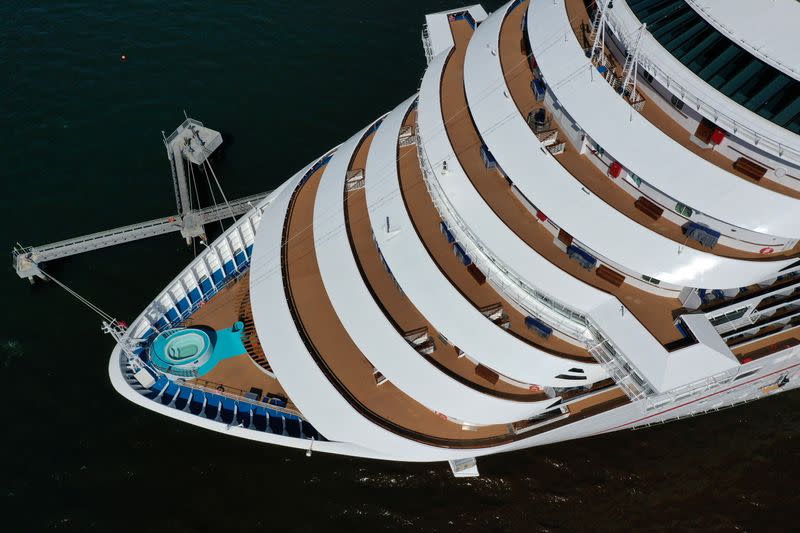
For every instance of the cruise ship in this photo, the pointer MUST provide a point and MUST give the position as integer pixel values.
(585, 220)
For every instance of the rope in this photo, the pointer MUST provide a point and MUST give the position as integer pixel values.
(207, 163)
(105, 316)
(213, 198)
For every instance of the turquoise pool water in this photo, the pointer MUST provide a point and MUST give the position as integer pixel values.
(181, 347)
(193, 352)
(228, 344)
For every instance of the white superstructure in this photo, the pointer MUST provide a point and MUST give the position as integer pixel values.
(528, 250)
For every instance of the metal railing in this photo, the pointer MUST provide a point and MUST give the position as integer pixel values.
(532, 300)
(691, 389)
(426, 44)
(239, 395)
(513, 287)
(764, 142)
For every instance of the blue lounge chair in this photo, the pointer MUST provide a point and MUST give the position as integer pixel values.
(169, 394)
(260, 419)
(212, 405)
(293, 427)
(276, 424)
(157, 387)
(277, 401)
(244, 413)
(197, 403)
(228, 410)
(184, 394)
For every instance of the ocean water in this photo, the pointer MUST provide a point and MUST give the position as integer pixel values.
(284, 81)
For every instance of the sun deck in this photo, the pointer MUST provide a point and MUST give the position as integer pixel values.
(335, 351)
(580, 21)
(239, 374)
(482, 295)
(657, 313)
(588, 169)
(396, 305)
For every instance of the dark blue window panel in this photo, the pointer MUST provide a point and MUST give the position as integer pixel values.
(229, 268)
(217, 276)
(446, 232)
(240, 258)
(183, 305)
(205, 285)
(488, 159)
(172, 314)
(722, 63)
(194, 295)
(461, 254)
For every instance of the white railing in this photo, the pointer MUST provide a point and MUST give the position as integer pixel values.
(426, 44)
(532, 300)
(690, 390)
(253, 218)
(734, 126)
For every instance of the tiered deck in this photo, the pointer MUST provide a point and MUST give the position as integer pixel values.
(482, 295)
(654, 311)
(397, 307)
(336, 353)
(588, 169)
(580, 21)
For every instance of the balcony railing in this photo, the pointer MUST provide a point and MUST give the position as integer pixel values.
(534, 301)
(624, 34)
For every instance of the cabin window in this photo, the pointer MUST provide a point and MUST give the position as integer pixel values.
(651, 280)
(676, 102)
(683, 209)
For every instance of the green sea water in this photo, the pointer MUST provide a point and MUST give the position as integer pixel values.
(80, 140)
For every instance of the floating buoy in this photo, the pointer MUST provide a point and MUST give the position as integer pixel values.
(766, 250)
(123, 57)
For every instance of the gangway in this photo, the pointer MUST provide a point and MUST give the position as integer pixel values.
(190, 143)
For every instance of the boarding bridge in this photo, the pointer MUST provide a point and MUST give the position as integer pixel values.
(190, 144)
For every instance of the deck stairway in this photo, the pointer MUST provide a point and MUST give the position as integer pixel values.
(250, 338)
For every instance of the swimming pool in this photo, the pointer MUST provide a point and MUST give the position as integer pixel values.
(181, 351)
(195, 351)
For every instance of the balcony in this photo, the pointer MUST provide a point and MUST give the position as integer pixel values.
(652, 106)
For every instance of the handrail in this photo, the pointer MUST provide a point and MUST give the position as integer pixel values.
(523, 294)
(765, 142)
(240, 397)
(577, 329)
